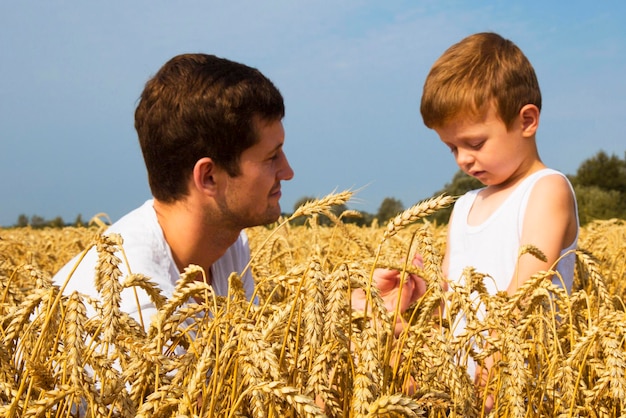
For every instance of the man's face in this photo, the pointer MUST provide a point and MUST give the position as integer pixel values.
(252, 197)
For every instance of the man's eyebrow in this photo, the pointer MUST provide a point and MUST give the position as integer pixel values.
(276, 148)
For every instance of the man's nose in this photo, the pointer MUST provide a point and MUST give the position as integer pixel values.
(287, 172)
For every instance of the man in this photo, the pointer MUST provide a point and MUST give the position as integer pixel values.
(212, 139)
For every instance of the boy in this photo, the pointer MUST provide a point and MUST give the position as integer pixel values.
(483, 100)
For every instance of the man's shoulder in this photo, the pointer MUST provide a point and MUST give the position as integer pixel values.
(140, 235)
(138, 218)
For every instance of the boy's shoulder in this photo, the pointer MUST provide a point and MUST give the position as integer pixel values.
(546, 188)
(552, 197)
(552, 185)
(549, 180)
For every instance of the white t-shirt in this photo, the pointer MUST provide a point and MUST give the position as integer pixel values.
(492, 247)
(148, 253)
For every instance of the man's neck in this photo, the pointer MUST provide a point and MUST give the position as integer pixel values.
(192, 237)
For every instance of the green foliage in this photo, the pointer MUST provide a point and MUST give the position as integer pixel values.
(597, 203)
(79, 220)
(366, 219)
(22, 221)
(600, 185)
(301, 220)
(336, 210)
(460, 184)
(39, 222)
(607, 173)
(56, 222)
(303, 200)
(388, 209)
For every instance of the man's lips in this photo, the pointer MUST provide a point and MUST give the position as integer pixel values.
(276, 193)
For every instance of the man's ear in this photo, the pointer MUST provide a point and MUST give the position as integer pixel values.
(530, 119)
(204, 175)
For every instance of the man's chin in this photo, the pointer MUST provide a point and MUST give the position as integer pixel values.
(275, 216)
(271, 216)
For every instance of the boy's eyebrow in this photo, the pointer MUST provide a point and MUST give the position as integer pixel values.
(465, 138)
(461, 138)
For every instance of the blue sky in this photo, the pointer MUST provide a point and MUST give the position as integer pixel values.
(351, 73)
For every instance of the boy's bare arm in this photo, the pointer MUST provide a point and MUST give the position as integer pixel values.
(549, 224)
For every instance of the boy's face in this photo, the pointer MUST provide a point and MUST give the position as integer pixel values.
(483, 147)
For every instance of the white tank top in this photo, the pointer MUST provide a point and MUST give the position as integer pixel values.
(492, 247)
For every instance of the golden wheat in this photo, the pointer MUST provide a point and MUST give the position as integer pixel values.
(301, 350)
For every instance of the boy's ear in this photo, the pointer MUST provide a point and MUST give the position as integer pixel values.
(530, 119)
(204, 175)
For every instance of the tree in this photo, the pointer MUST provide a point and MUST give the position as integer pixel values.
(302, 201)
(22, 221)
(388, 209)
(607, 173)
(37, 221)
(597, 203)
(460, 184)
(600, 185)
(336, 210)
(56, 222)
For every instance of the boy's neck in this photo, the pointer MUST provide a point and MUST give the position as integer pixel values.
(491, 197)
(516, 178)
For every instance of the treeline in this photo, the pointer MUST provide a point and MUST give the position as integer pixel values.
(39, 222)
(599, 183)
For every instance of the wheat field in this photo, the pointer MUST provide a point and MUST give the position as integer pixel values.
(302, 350)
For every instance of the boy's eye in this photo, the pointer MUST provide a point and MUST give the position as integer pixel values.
(478, 145)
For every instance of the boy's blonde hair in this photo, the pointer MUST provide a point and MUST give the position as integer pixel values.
(480, 70)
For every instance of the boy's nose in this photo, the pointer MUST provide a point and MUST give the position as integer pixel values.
(464, 157)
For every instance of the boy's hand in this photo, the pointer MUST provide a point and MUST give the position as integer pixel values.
(394, 296)
(482, 377)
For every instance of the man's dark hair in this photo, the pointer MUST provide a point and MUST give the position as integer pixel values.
(196, 106)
